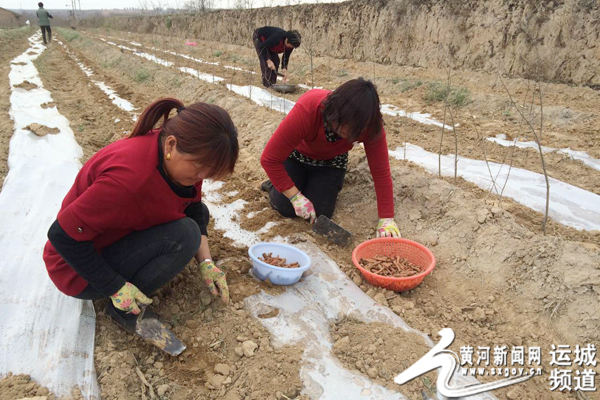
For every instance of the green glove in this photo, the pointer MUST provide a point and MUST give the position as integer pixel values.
(387, 228)
(214, 278)
(127, 297)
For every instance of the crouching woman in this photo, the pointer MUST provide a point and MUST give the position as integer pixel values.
(307, 156)
(133, 219)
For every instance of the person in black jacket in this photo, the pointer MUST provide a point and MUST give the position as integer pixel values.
(269, 42)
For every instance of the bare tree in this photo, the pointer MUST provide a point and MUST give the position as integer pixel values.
(241, 4)
(198, 5)
(309, 42)
(537, 135)
(157, 6)
(443, 123)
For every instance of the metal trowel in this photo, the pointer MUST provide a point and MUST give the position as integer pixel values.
(331, 230)
(154, 332)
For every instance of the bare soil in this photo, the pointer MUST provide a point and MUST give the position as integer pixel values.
(22, 387)
(381, 352)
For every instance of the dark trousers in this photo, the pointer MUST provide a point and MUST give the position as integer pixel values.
(44, 30)
(321, 185)
(152, 257)
(269, 77)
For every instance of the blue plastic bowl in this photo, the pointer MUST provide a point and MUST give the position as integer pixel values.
(278, 275)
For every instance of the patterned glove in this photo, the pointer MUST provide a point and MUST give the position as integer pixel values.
(214, 278)
(125, 299)
(303, 207)
(387, 228)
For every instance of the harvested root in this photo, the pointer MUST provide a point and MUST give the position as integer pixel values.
(392, 266)
(277, 261)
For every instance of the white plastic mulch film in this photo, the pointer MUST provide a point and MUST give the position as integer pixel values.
(43, 332)
(306, 310)
(569, 204)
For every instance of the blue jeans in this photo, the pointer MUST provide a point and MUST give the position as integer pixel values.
(152, 257)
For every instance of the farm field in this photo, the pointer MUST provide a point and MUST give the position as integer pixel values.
(498, 281)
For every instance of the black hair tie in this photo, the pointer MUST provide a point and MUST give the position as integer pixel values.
(180, 109)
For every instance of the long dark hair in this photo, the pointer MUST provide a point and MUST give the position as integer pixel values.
(294, 38)
(204, 130)
(355, 104)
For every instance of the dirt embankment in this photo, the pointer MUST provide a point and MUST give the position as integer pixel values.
(552, 39)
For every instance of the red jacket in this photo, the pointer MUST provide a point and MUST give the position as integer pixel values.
(279, 48)
(303, 130)
(118, 191)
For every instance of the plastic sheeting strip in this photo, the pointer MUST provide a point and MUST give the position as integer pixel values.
(45, 334)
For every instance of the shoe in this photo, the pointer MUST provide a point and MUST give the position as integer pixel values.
(266, 186)
(127, 321)
(148, 326)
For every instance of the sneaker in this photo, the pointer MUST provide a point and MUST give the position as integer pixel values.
(266, 186)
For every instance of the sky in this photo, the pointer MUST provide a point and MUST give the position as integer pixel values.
(120, 4)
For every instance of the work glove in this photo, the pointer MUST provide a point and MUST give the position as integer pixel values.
(387, 228)
(128, 297)
(214, 278)
(303, 207)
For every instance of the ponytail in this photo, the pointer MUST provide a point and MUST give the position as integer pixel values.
(151, 115)
(203, 130)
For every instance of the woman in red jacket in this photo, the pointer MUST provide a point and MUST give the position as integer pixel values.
(133, 218)
(307, 156)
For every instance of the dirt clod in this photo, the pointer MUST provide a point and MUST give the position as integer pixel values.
(26, 85)
(380, 298)
(248, 347)
(215, 381)
(482, 215)
(341, 345)
(42, 130)
(222, 369)
(372, 372)
(161, 390)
